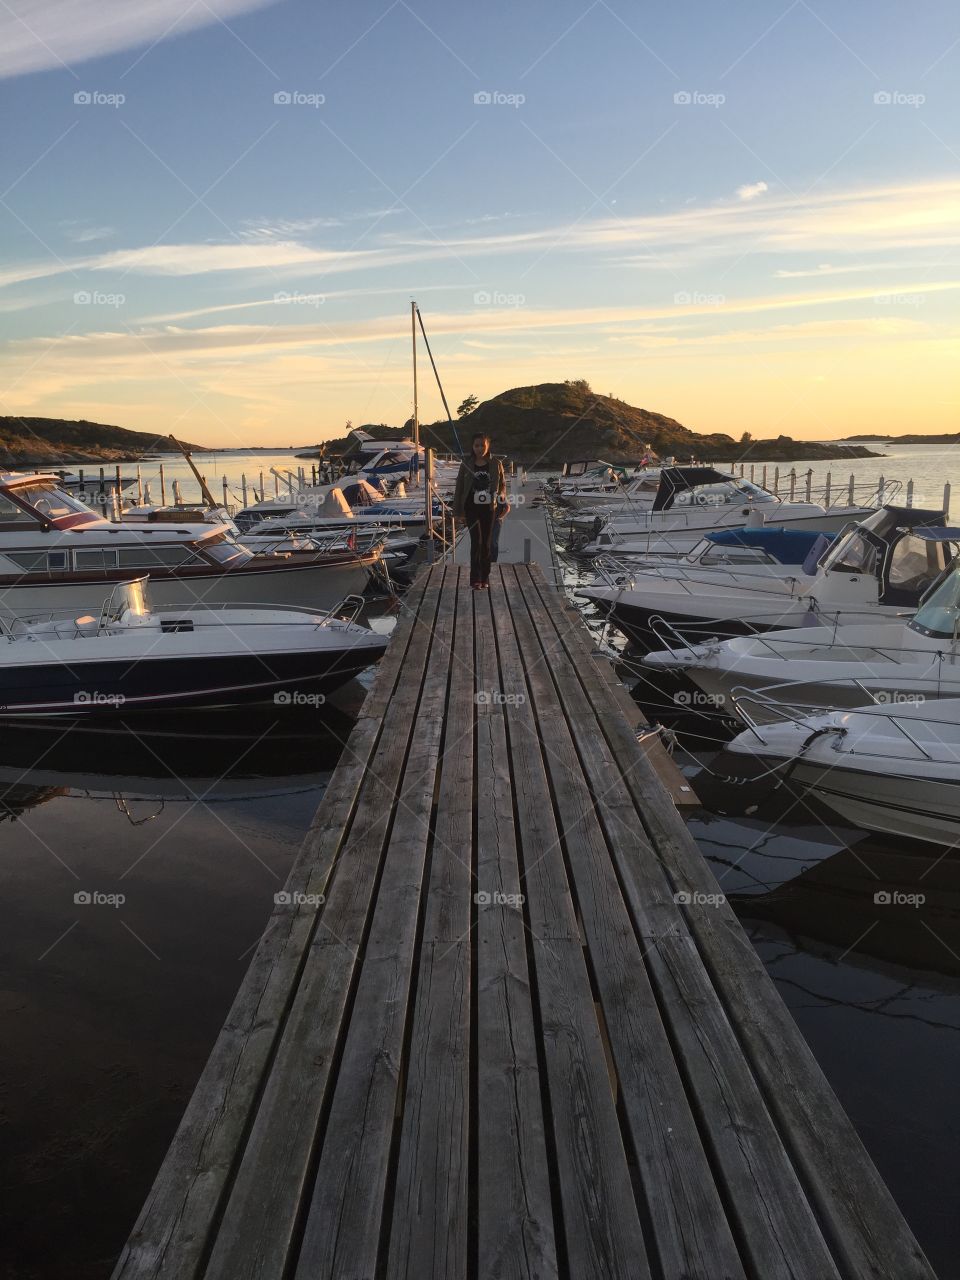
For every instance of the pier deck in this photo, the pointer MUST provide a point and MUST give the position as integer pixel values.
(505, 1026)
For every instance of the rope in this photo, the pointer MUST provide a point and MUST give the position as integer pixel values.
(439, 383)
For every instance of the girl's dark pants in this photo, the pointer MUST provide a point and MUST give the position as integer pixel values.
(480, 522)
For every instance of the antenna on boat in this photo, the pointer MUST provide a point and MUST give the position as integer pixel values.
(205, 492)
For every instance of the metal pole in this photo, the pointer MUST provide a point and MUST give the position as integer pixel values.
(413, 338)
(177, 495)
(163, 488)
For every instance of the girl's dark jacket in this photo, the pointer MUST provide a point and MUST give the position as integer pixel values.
(464, 487)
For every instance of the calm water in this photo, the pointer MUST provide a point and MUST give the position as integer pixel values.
(110, 1011)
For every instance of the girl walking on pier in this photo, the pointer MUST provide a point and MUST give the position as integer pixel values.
(481, 489)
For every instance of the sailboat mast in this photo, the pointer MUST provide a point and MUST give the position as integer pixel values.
(413, 339)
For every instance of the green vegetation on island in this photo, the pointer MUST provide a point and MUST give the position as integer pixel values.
(42, 442)
(557, 422)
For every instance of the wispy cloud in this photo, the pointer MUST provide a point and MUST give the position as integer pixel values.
(38, 34)
(750, 190)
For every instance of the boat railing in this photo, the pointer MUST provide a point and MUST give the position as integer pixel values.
(669, 636)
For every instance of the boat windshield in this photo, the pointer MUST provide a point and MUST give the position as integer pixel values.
(852, 554)
(49, 502)
(719, 495)
(939, 614)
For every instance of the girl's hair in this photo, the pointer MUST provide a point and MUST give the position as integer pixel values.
(480, 435)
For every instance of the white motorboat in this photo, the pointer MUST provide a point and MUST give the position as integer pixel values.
(893, 768)
(829, 666)
(346, 504)
(877, 570)
(128, 656)
(692, 501)
(55, 551)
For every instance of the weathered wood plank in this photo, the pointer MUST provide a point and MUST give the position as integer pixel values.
(515, 1229)
(857, 1213)
(345, 1218)
(689, 1223)
(430, 1210)
(260, 1218)
(602, 1229)
(173, 1230)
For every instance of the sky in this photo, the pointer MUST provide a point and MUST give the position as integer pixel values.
(216, 213)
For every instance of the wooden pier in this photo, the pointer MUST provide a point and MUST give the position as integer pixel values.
(505, 1026)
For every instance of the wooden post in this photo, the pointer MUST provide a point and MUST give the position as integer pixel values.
(103, 496)
(776, 482)
(793, 482)
(763, 477)
(263, 492)
(909, 493)
(428, 501)
(751, 473)
(946, 498)
(826, 492)
(809, 481)
(243, 486)
(276, 485)
(225, 504)
(139, 487)
(177, 494)
(313, 474)
(163, 488)
(881, 485)
(147, 495)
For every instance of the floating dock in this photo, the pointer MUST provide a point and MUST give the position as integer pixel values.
(506, 1025)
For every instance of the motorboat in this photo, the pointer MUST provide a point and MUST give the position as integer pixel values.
(889, 767)
(614, 497)
(692, 501)
(131, 656)
(877, 570)
(349, 503)
(56, 551)
(833, 666)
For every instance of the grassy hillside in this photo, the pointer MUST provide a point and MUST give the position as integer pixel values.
(557, 422)
(45, 441)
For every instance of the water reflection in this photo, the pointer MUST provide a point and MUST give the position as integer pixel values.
(140, 862)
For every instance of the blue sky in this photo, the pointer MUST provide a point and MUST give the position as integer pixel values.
(743, 216)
